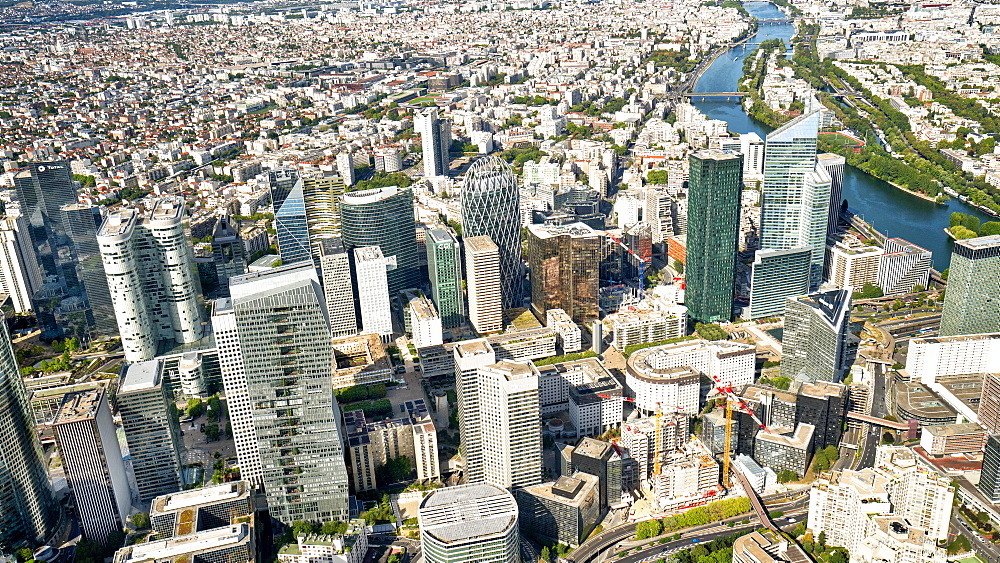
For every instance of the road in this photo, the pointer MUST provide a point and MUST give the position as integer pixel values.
(987, 551)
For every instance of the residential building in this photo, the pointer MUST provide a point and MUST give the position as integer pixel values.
(348, 547)
(338, 287)
(388, 159)
(92, 461)
(752, 148)
(931, 358)
(834, 166)
(483, 282)
(371, 272)
(470, 357)
(715, 184)
(474, 522)
(648, 323)
(373, 443)
(565, 510)
(383, 217)
(903, 266)
(444, 267)
(775, 276)
(972, 302)
(815, 341)
(853, 264)
(345, 167)
(491, 207)
(951, 439)
(565, 265)
(228, 252)
(20, 274)
(152, 433)
(509, 433)
(274, 349)
(435, 139)
(917, 493)
(892, 539)
(150, 274)
(424, 322)
(988, 414)
(569, 337)
(526, 344)
(201, 509)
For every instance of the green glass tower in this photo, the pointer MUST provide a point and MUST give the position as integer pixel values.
(383, 217)
(444, 266)
(972, 302)
(714, 188)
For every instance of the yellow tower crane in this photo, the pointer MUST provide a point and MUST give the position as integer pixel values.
(729, 437)
(657, 441)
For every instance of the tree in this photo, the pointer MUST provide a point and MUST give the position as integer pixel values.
(648, 529)
(821, 539)
(678, 266)
(868, 291)
(657, 177)
(956, 219)
(141, 520)
(839, 556)
(546, 556)
(787, 476)
(194, 408)
(333, 528)
(989, 228)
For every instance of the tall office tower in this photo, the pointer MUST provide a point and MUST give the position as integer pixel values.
(92, 460)
(814, 344)
(565, 263)
(796, 192)
(444, 266)
(509, 412)
(151, 275)
(482, 280)
(490, 203)
(149, 418)
(373, 291)
(435, 140)
(834, 165)
(345, 166)
(292, 227)
(903, 266)
(776, 275)
(383, 217)
(20, 274)
(228, 252)
(972, 302)
(281, 182)
(714, 188)
(752, 147)
(321, 195)
(475, 522)
(470, 356)
(338, 287)
(81, 224)
(27, 509)
(989, 480)
(274, 352)
(42, 189)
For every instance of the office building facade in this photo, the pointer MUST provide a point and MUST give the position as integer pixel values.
(373, 291)
(989, 480)
(444, 266)
(338, 287)
(383, 217)
(470, 356)
(291, 225)
(834, 166)
(20, 274)
(565, 262)
(491, 207)
(482, 275)
(228, 252)
(775, 276)
(321, 196)
(972, 302)
(435, 140)
(277, 344)
(715, 184)
(509, 413)
(815, 340)
(474, 522)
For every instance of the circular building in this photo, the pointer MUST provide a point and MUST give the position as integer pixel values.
(654, 379)
(475, 522)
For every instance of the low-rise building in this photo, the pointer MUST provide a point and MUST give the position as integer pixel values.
(373, 443)
(948, 439)
(348, 547)
(646, 325)
(360, 360)
(892, 539)
(569, 337)
(217, 545)
(767, 546)
(782, 449)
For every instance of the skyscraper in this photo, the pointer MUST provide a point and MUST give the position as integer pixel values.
(20, 274)
(373, 291)
(274, 351)
(776, 275)
(383, 217)
(444, 266)
(151, 276)
(228, 253)
(92, 461)
(903, 266)
(482, 276)
(491, 207)
(972, 302)
(338, 287)
(321, 195)
(149, 418)
(345, 166)
(989, 480)
(834, 165)
(565, 269)
(814, 343)
(509, 411)
(715, 185)
(470, 356)
(27, 509)
(292, 226)
(796, 192)
(81, 223)
(435, 140)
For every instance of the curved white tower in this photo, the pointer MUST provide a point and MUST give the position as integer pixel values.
(124, 284)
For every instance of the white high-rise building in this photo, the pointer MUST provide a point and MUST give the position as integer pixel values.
(482, 275)
(892, 539)
(151, 277)
(853, 264)
(425, 323)
(338, 287)
(752, 147)
(903, 266)
(274, 353)
(930, 358)
(20, 274)
(470, 357)
(435, 137)
(373, 291)
(345, 166)
(917, 493)
(509, 415)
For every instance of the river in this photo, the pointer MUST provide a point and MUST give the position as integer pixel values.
(890, 210)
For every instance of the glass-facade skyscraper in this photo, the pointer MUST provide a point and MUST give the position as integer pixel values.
(27, 508)
(491, 207)
(989, 480)
(82, 222)
(292, 226)
(444, 266)
(321, 195)
(814, 343)
(274, 351)
(565, 265)
(715, 185)
(383, 217)
(972, 302)
(776, 275)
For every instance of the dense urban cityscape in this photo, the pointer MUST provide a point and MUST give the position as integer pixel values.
(688, 281)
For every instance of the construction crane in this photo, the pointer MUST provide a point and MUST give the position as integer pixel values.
(657, 422)
(732, 400)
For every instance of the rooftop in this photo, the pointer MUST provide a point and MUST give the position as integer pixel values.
(212, 494)
(480, 244)
(191, 544)
(80, 405)
(466, 513)
(141, 376)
